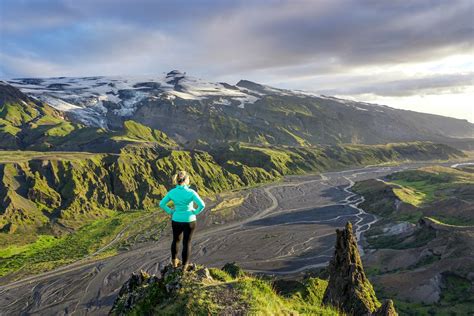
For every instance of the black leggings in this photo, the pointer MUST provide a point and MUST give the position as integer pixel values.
(180, 229)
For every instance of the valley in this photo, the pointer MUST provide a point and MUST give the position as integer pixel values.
(85, 161)
(324, 148)
(256, 237)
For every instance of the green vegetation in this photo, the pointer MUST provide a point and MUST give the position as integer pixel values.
(26, 123)
(222, 294)
(55, 193)
(45, 193)
(263, 299)
(408, 195)
(441, 193)
(442, 197)
(428, 184)
(12, 156)
(68, 188)
(133, 131)
(48, 252)
(450, 221)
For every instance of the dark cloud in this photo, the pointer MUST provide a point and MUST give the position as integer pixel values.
(336, 34)
(276, 41)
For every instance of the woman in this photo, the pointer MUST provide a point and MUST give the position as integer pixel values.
(183, 216)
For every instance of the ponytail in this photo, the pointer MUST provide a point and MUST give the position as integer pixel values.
(180, 177)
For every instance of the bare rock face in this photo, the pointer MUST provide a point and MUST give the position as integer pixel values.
(349, 289)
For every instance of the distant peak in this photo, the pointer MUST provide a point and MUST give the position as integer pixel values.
(173, 77)
(249, 84)
(175, 73)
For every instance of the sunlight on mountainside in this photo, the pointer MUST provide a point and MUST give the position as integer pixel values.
(236, 157)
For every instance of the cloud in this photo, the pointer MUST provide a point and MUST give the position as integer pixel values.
(239, 36)
(339, 34)
(436, 84)
(343, 47)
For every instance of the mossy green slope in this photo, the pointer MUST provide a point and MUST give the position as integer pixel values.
(24, 254)
(213, 291)
(67, 191)
(26, 123)
(440, 192)
(295, 121)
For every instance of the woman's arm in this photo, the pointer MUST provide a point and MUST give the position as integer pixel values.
(199, 202)
(164, 206)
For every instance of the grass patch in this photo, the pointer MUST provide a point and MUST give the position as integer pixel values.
(264, 300)
(22, 156)
(49, 252)
(451, 221)
(43, 241)
(428, 184)
(224, 294)
(408, 195)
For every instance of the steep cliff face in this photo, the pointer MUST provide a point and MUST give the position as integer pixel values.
(349, 289)
(67, 189)
(38, 189)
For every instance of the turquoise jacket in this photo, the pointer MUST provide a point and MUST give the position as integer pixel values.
(183, 198)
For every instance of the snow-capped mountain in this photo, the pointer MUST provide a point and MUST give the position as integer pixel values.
(193, 110)
(90, 99)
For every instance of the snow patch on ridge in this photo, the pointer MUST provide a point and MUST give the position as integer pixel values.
(93, 97)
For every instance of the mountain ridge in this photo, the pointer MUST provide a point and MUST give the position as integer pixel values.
(192, 110)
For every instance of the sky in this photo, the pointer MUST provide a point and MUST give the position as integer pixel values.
(415, 55)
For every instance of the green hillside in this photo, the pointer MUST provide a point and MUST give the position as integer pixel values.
(442, 193)
(424, 239)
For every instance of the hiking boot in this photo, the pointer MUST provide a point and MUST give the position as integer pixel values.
(185, 267)
(175, 263)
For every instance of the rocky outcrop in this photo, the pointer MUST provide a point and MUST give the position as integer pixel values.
(133, 291)
(349, 289)
(232, 291)
(142, 287)
(387, 309)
